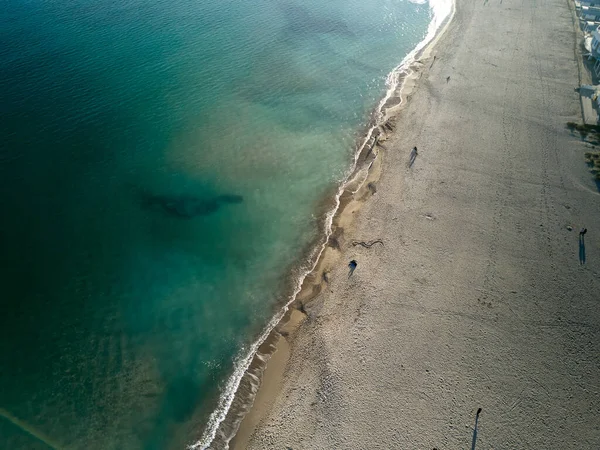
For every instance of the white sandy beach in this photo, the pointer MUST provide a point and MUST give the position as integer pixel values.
(477, 298)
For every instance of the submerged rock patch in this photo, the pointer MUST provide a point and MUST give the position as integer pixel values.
(189, 206)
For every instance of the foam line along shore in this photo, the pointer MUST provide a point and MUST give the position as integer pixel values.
(468, 308)
(224, 422)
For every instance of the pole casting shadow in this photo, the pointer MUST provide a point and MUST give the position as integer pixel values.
(475, 430)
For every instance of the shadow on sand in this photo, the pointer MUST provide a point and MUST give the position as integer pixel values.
(413, 157)
(474, 442)
(581, 249)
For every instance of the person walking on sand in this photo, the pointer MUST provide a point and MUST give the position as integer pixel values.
(352, 265)
(413, 155)
(582, 245)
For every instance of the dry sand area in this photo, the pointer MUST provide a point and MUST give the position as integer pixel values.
(477, 299)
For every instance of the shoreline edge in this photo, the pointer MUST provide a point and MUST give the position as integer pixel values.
(365, 169)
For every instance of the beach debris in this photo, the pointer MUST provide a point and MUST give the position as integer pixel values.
(372, 187)
(569, 227)
(367, 244)
(336, 239)
(352, 265)
(432, 62)
(430, 216)
(448, 78)
(302, 308)
(373, 145)
(333, 242)
(326, 277)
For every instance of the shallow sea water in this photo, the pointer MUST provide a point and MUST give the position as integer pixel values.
(164, 167)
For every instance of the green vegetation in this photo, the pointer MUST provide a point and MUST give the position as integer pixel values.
(593, 160)
(583, 127)
(584, 130)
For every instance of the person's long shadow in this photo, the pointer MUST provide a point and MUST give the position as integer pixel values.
(581, 249)
(413, 157)
(475, 430)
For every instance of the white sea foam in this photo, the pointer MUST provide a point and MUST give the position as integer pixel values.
(442, 11)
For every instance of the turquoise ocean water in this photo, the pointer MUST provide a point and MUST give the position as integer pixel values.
(163, 169)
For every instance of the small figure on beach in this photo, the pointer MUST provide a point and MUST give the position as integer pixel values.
(582, 245)
(352, 265)
(413, 155)
(447, 78)
(474, 441)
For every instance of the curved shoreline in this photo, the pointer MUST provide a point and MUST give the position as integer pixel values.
(476, 323)
(366, 162)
